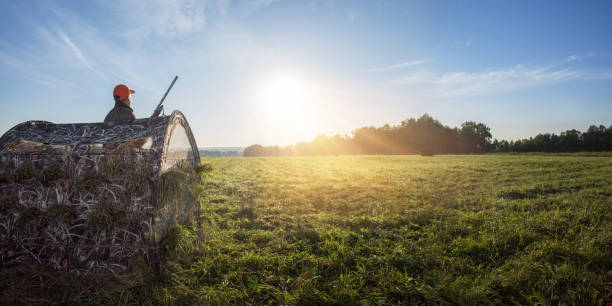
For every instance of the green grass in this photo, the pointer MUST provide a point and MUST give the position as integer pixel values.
(484, 229)
(498, 229)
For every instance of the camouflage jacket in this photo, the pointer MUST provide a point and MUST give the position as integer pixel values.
(120, 113)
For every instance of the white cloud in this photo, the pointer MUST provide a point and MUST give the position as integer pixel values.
(352, 15)
(418, 77)
(77, 52)
(402, 65)
(160, 17)
(28, 66)
(463, 43)
(222, 6)
(463, 83)
(263, 3)
(74, 48)
(579, 57)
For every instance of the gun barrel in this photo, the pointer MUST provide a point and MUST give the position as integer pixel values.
(158, 108)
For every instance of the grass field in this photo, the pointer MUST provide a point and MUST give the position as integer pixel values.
(483, 229)
(480, 229)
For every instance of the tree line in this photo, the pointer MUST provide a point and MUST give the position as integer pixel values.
(595, 138)
(427, 136)
(221, 153)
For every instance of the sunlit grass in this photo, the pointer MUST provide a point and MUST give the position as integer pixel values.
(402, 229)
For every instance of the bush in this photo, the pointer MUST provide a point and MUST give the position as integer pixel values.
(427, 152)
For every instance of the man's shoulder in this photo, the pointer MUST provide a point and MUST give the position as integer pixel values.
(120, 114)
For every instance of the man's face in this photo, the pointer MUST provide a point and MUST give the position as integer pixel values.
(129, 100)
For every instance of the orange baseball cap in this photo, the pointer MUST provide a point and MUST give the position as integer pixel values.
(121, 92)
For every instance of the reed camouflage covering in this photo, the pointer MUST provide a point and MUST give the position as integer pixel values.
(90, 197)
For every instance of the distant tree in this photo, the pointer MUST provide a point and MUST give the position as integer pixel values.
(594, 139)
(542, 143)
(475, 137)
(254, 150)
(570, 141)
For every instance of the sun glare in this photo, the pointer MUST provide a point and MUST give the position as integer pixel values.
(286, 104)
(283, 96)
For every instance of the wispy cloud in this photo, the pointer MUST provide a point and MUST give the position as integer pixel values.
(77, 52)
(417, 77)
(166, 19)
(140, 34)
(28, 67)
(580, 57)
(352, 15)
(74, 48)
(402, 65)
(263, 3)
(495, 81)
(222, 6)
(463, 83)
(463, 43)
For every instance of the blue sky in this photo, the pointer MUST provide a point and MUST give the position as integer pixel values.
(277, 72)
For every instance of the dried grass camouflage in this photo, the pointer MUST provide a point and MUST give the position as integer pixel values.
(92, 197)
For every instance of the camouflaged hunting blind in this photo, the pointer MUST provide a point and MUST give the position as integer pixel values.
(91, 197)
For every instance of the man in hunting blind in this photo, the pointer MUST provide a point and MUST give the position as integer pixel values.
(122, 112)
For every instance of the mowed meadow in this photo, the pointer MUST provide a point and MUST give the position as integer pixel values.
(473, 229)
(448, 229)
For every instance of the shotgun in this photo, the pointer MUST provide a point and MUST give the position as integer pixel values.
(160, 107)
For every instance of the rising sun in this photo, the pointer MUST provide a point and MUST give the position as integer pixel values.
(286, 106)
(283, 95)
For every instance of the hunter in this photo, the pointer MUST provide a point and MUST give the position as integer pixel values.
(122, 112)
